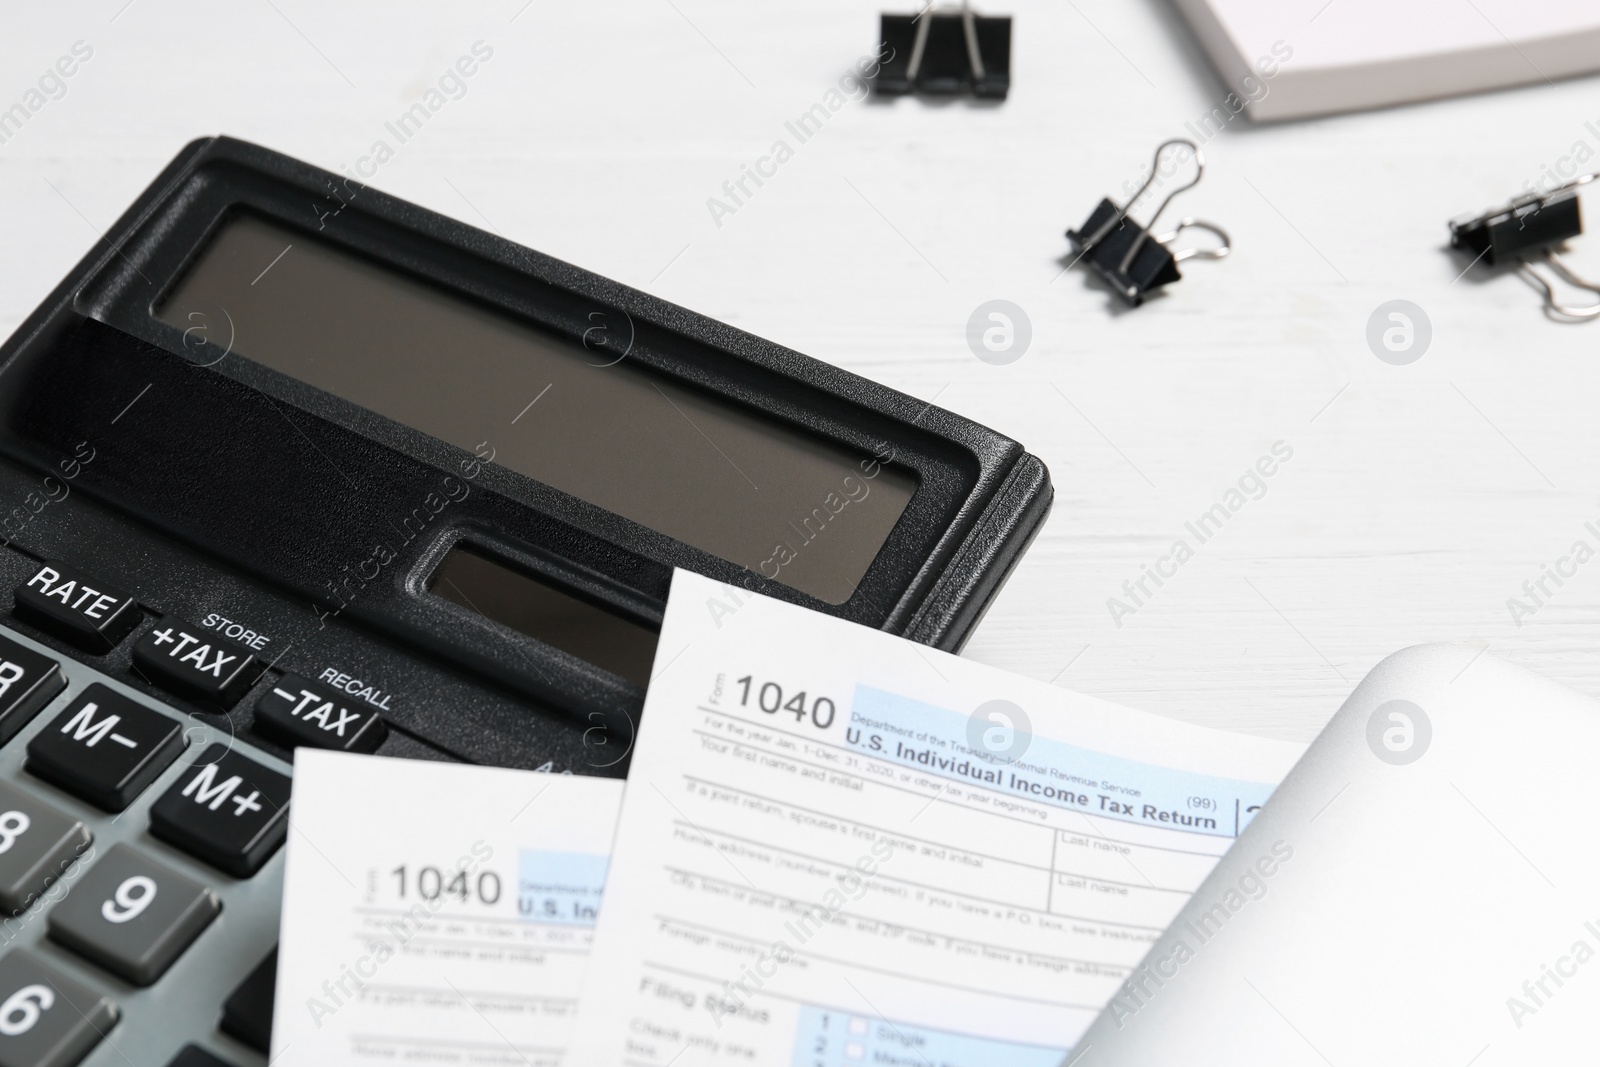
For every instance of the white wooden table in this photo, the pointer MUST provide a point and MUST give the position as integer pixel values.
(1418, 500)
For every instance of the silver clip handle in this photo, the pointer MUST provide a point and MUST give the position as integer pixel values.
(1155, 167)
(1220, 251)
(1583, 313)
(969, 28)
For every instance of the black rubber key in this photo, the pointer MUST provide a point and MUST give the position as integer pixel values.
(195, 1056)
(28, 681)
(227, 810)
(105, 748)
(195, 663)
(247, 1014)
(76, 608)
(298, 711)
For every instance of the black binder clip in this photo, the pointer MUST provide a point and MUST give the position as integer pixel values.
(1531, 226)
(945, 53)
(1131, 258)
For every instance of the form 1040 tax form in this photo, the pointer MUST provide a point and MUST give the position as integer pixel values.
(839, 847)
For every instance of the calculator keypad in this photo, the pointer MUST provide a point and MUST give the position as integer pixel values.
(226, 810)
(105, 748)
(129, 901)
(28, 681)
(37, 845)
(46, 1018)
(132, 915)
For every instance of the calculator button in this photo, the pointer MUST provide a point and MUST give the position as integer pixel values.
(37, 844)
(227, 810)
(195, 1056)
(105, 748)
(77, 608)
(247, 1013)
(298, 711)
(194, 663)
(47, 1019)
(132, 916)
(28, 681)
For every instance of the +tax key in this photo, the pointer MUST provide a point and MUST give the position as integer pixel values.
(193, 663)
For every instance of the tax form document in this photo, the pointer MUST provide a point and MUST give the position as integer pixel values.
(435, 912)
(838, 847)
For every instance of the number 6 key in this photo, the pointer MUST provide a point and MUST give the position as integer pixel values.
(46, 1018)
(132, 916)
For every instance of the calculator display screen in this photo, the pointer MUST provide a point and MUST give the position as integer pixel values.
(728, 480)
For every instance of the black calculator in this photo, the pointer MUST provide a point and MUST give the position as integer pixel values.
(286, 461)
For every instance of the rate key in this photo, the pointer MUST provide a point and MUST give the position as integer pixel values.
(77, 608)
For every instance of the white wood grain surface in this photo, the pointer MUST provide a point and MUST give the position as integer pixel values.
(1418, 500)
